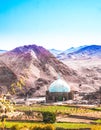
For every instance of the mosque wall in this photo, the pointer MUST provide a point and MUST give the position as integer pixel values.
(58, 96)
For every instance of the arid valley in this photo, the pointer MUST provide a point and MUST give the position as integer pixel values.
(27, 72)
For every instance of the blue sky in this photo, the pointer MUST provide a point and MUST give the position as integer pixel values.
(58, 24)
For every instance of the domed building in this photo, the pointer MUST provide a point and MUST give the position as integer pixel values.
(59, 90)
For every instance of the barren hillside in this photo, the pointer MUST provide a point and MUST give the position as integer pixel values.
(90, 70)
(37, 67)
(86, 61)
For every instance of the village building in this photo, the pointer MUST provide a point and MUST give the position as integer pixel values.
(59, 90)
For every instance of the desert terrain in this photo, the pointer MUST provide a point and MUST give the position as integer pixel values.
(89, 69)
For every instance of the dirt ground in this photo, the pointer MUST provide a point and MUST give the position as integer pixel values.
(70, 119)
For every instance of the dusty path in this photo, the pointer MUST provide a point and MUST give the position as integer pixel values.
(70, 119)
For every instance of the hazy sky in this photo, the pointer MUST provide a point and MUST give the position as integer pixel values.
(56, 24)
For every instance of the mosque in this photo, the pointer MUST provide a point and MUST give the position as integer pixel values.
(59, 90)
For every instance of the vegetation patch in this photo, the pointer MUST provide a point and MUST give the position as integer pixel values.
(49, 117)
(31, 126)
(98, 121)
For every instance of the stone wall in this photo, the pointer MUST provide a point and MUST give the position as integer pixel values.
(58, 96)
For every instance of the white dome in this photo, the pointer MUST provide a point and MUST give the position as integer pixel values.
(59, 86)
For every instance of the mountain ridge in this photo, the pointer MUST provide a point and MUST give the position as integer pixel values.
(82, 52)
(37, 67)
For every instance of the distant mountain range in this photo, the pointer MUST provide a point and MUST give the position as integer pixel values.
(2, 51)
(39, 68)
(55, 52)
(82, 52)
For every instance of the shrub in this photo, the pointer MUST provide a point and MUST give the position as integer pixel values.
(37, 128)
(15, 127)
(48, 127)
(97, 127)
(24, 128)
(59, 128)
(49, 117)
(43, 127)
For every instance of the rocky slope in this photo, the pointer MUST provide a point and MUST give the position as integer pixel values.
(7, 77)
(86, 61)
(37, 67)
(90, 70)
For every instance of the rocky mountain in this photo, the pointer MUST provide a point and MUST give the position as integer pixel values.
(7, 77)
(82, 52)
(37, 67)
(86, 61)
(60, 53)
(73, 49)
(88, 52)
